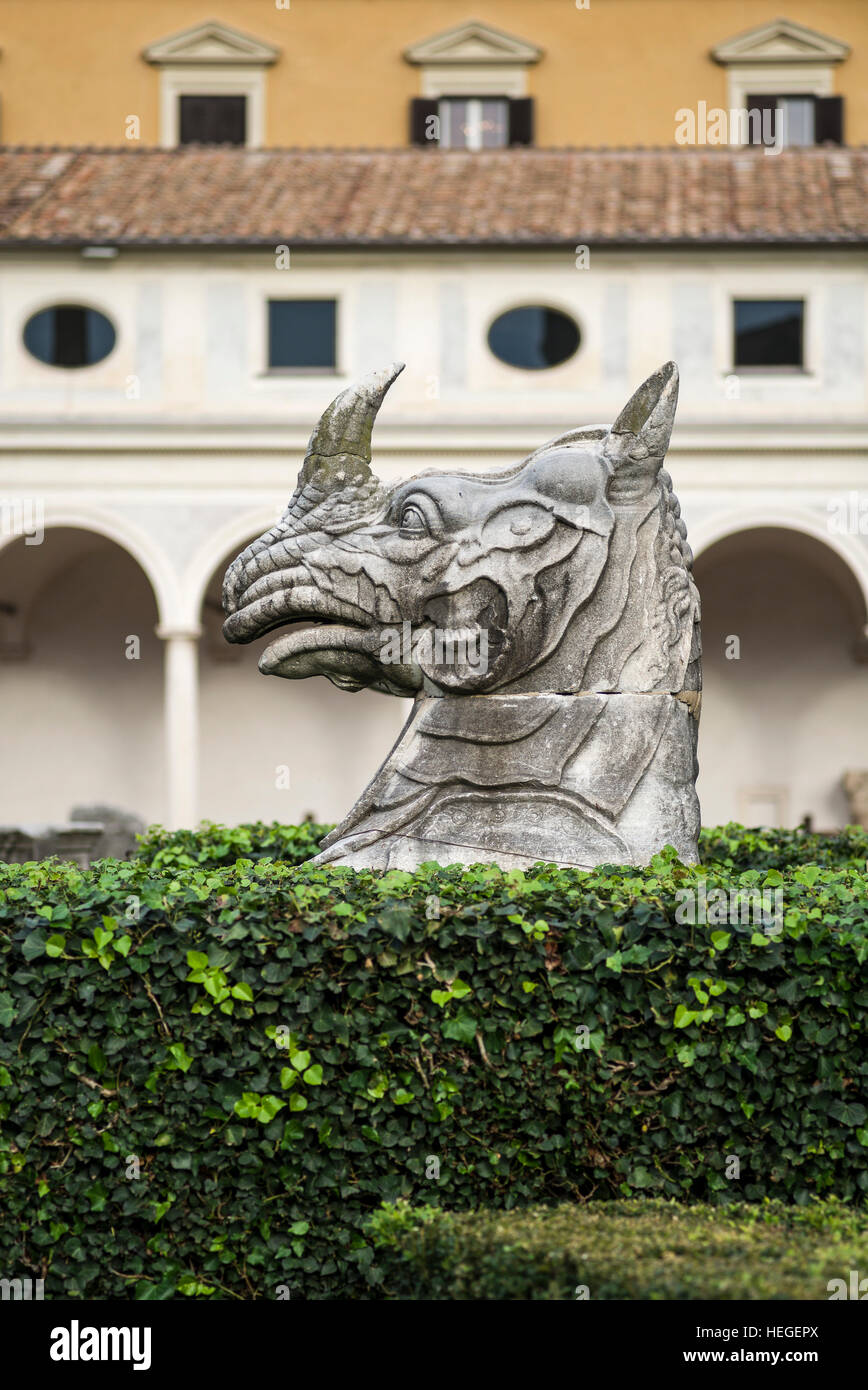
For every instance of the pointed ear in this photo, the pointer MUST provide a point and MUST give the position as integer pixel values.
(637, 442)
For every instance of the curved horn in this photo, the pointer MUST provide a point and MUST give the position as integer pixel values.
(341, 440)
(637, 442)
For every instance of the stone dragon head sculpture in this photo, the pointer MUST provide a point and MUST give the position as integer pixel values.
(573, 564)
(568, 574)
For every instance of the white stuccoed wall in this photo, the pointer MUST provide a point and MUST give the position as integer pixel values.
(179, 448)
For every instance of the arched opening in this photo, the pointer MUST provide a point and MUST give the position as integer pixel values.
(785, 675)
(81, 679)
(273, 749)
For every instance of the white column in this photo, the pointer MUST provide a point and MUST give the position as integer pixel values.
(181, 716)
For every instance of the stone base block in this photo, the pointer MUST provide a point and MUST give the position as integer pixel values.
(576, 780)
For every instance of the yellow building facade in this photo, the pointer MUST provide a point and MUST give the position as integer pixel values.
(343, 73)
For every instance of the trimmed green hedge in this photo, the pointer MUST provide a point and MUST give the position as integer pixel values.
(216, 845)
(731, 846)
(541, 1037)
(629, 1249)
(740, 849)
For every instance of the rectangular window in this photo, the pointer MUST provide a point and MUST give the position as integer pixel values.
(797, 114)
(799, 119)
(302, 334)
(474, 123)
(768, 332)
(471, 122)
(213, 120)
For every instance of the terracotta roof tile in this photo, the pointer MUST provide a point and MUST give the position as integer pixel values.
(432, 197)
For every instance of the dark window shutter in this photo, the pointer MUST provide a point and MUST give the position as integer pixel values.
(423, 131)
(755, 127)
(829, 120)
(213, 120)
(521, 121)
(70, 336)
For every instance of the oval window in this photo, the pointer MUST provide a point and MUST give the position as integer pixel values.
(69, 335)
(533, 337)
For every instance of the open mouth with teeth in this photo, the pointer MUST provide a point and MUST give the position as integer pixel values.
(323, 635)
(313, 643)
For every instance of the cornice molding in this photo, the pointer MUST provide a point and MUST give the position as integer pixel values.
(210, 44)
(473, 44)
(780, 41)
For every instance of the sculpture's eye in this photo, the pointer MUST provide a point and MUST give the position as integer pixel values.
(413, 522)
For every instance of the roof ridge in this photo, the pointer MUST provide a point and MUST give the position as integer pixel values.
(513, 151)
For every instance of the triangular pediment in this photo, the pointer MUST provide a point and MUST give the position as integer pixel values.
(211, 43)
(473, 42)
(781, 41)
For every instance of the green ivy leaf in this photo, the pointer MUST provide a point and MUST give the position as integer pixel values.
(462, 1028)
(179, 1056)
(97, 1195)
(33, 945)
(848, 1113)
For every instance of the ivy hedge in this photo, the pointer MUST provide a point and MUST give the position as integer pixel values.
(222, 844)
(629, 1249)
(211, 1074)
(730, 845)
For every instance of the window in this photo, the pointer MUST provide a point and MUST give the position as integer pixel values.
(212, 120)
(797, 114)
(471, 123)
(69, 335)
(301, 334)
(802, 119)
(768, 332)
(533, 337)
(473, 88)
(212, 85)
(793, 69)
